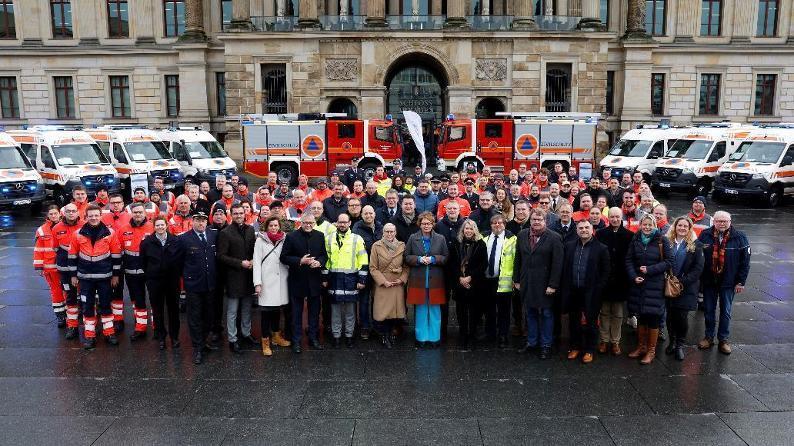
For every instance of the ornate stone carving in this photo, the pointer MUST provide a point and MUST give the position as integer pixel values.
(341, 69)
(490, 69)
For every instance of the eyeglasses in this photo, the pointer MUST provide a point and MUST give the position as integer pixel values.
(543, 202)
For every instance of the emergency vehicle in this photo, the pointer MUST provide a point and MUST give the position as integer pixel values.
(201, 156)
(762, 167)
(137, 150)
(534, 139)
(20, 183)
(316, 144)
(691, 163)
(66, 157)
(638, 150)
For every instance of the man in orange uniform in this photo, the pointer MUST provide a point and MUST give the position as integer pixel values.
(62, 234)
(130, 237)
(115, 220)
(44, 262)
(80, 199)
(180, 220)
(95, 265)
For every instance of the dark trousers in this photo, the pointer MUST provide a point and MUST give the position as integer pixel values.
(467, 319)
(677, 324)
(199, 315)
(136, 285)
(503, 304)
(313, 316)
(327, 301)
(164, 296)
(486, 307)
(582, 326)
(364, 313)
(269, 320)
(216, 325)
(117, 301)
(68, 289)
(90, 290)
(519, 319)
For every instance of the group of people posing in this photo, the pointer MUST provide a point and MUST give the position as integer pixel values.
(515, 254)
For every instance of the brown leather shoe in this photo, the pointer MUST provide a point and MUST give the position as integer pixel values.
(653, 338)
(642, 343)
(573, 354)
(587, 358)
(706, 343)
(725, 347)
(602, 347)
(616, 349)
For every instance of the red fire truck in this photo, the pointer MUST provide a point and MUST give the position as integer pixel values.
(316, 144)
(534, 139)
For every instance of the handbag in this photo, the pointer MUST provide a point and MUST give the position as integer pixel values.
(672, 286)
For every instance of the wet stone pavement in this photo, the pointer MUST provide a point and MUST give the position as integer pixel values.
(53, 392)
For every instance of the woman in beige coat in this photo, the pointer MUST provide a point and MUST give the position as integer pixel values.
(390, 275)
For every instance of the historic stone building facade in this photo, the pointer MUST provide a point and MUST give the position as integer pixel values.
(207, 62)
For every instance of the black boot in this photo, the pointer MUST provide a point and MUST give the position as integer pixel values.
(71, 333)
(671, 346)
(61, 316)
(679, 349)
(89, 343)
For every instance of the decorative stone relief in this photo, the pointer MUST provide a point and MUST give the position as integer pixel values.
(341, 69)
(490, 69)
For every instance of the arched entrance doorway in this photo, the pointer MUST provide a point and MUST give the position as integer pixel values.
(343, 105)
(487, 108)
(417, 82)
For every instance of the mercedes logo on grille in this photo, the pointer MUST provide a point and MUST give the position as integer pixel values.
(99, 179)
(733, 177)
(667, 171)
(19, 186)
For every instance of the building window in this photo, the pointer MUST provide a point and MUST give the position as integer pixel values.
(172, 95)
(226, 14)
(711, 18)
(558, 87)
(220, 92)
(8, 29)
(610, 96)
(603, 11)
(61, 12)
(64, 97)
(120, 96)
(174, 17)
(487, 108)
(765, 94)
(767, 18)
(657, 94)
(274, 88)
(118, 19)
(655, 17)
(9, 102)
(709, 94)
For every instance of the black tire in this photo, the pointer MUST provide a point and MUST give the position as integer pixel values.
(60, 197)
(702, 188)
(774, 198)
(368, 167)
(286, 172)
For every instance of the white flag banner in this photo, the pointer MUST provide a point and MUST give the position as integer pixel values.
(414, 123)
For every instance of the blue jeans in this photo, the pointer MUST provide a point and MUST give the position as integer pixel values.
(540, 324)
(711, 296)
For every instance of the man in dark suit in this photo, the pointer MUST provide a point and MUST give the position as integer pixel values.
(386, 213)
(565, 226)
(352, 174)
(537, 273)
(305, 254)
(197, 258)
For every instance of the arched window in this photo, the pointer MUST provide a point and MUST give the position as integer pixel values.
(343, 105)
(488, 107)
(274, 89)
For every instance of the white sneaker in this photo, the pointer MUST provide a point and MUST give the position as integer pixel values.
(632, 322)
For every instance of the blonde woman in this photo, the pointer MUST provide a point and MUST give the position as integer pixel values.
(471, 261)
(687, 266)
(390, 276)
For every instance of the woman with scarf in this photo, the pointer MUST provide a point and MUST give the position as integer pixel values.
(649, 257)
(471, 261)
(426, 253)
(390, 276)
(687, 267)
(398, 184)
(270, 283)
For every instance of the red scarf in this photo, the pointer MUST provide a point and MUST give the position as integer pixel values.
(275, 237)
(627, 214)
(718, 253)
(695, 218)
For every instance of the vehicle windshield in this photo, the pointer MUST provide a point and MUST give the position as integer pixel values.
(147, 151)
(204, 149)
(630, 148)
(12, 158)
(692, 149)
(759, 152)
(78, 154)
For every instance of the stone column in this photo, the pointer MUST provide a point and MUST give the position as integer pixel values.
(85, 14)
(456, 14)
(28, 14)
(308, 18)
(376, 13)
(566, 7)
(524, 15)
(142, 16)
(635, 21)
(688, 20)
(590, 16)
(745, 21)
(241, 16)
(194, 101)
(638, 66)
(194, 22)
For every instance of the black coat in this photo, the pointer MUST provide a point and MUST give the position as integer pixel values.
(648, 297)
(332, 208)
(538, 269)
(483, 219)
(236, 244)
(595, 281)
(404, 230)
(158, 260)
(370, 235)
(476, 266)
(302, 280)
(375, 200)
(382, 215)
(690, 278)
(197, 261)
(617, 242)
(566, 236)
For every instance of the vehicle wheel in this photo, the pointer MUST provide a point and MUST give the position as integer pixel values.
(775, 197)
(702, 188)
(286, 172)
(60, 197)
(716, 197)
(369, 169)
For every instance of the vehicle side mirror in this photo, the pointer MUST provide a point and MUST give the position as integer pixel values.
(787, 160)
(654, 155)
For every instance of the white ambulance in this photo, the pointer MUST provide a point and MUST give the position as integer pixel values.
(136, 150)
(20, 183)
(201, 156)
(762, 168)
(691, 163)
(638, 150)
(66, 157)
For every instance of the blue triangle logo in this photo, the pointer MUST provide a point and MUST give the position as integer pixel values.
(313, 146)
(526, 145)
